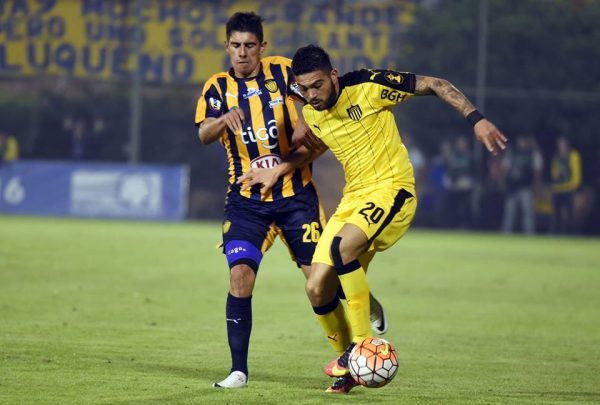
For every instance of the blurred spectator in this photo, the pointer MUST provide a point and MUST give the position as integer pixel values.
(493, 194)
(460, 184)
(78, 138)
(522, 166)
(84, 141)
(9, 148)
(438, 179)
(566, 179)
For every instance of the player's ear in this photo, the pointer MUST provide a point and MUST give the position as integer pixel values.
(334, 75)
(263, 46)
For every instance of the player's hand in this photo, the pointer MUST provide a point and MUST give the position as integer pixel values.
(303, 135)
(265, 177)
(234, 119)
(490, 136)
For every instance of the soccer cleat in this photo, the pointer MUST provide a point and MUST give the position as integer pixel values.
(236, 379)
(339, 367)
(379, 324)
(342, 385)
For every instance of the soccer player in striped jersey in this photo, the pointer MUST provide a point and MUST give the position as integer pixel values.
(351, 115)
(250, 110)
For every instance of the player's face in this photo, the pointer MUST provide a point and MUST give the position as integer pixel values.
(319, 88)
(244, 53)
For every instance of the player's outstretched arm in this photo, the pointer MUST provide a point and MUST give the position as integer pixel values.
(212, 128)
(268, 177)
(485, 131)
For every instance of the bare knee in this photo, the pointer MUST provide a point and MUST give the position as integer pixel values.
(321, 287)
(241, 281)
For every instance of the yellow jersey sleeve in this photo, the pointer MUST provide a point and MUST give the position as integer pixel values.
(210, 103)
(391, 87)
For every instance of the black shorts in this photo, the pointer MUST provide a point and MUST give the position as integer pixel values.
(299, 219)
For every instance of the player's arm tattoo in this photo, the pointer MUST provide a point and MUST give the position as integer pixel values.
(427, 85)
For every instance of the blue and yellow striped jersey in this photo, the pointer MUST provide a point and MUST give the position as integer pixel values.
(270, 118)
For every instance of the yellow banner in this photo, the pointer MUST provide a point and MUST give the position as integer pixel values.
(182, 41)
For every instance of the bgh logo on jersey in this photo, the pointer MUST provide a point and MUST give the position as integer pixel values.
(354, 112)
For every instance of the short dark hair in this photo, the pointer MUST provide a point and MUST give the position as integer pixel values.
(310, 58)
(245, 22)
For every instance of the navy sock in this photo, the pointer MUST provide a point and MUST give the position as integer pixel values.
(239, 325)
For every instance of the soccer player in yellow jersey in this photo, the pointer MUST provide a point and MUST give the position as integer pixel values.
(351, 115)
(250, 110)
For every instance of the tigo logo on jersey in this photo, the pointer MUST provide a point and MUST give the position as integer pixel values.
(271, 85)
(354, 112)
(214, 103)
(266, 162)
(262, 134)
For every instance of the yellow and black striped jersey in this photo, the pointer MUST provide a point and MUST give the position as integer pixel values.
(361, 131)
(270, 118)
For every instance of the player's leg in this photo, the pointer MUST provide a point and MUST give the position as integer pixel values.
(379, 322)
(244, 233)
(349, 243)
(302, 224)
(377, 223)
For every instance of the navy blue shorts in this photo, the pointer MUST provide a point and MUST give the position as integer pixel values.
(247, 223)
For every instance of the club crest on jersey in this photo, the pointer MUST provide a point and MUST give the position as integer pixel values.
(394, 77)
(214, 104)
(251, 92)
(266, 161)
(354, 112)
(271, 85)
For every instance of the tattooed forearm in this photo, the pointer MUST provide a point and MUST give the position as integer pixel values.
(426, 85)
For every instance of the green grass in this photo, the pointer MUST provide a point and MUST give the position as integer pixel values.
(124, 312)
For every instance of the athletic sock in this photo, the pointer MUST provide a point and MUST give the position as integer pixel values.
(332, 318)
(239, 325)
(356, 287)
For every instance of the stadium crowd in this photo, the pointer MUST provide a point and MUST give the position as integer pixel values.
(536, 192)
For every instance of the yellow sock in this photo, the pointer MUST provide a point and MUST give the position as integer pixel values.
(335, 325)
(356, 287)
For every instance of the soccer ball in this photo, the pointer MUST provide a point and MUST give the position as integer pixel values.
(373, 362)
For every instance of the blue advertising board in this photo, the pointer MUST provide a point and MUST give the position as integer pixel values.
(95, 190)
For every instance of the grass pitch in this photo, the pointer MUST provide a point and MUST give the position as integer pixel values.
(123, 312)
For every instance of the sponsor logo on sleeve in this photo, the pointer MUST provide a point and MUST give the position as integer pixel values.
(394, 77)
(294, 87)
(214, 104)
